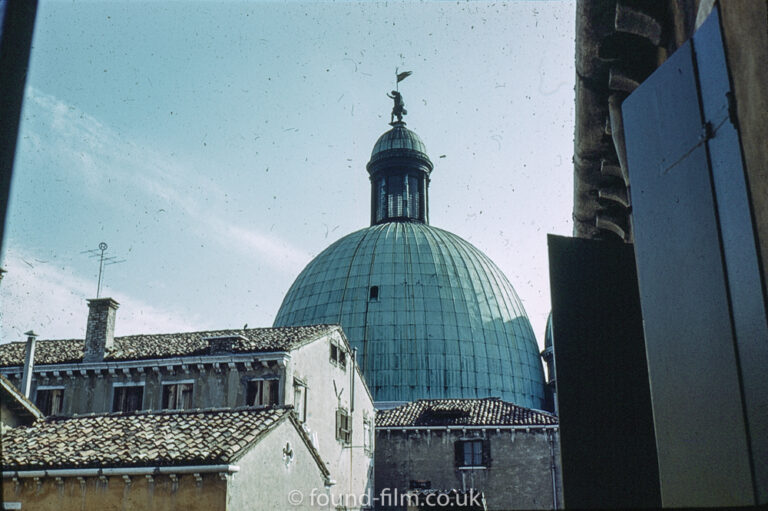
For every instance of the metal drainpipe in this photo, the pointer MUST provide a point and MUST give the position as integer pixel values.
(29, 364)
(553, 467)
(352, 383)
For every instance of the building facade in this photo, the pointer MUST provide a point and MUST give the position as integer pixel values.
(311, 369)
(506, 453)
(217, 460)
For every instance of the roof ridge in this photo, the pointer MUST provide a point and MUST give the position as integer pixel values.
(158, 413)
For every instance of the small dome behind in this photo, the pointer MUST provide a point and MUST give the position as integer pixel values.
(397, 139)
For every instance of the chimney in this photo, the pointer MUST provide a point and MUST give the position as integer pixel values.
(29, 364)
(100, 331)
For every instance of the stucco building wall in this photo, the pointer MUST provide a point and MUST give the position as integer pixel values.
(214, 386)
(113, 493)
(328, 388)
(267, 478)
(518, 476)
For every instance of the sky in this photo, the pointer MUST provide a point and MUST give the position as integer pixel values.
(217, 147)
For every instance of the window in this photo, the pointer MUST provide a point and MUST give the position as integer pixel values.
(177, 396)
(367, 435)
(343, 426)
(300, 400)
(374, 293)
(50, 400)
(338, 356)
(127, 398)
(473, 453)
(262, 392)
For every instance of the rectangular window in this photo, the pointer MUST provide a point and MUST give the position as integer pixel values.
(343, 426)
(472, 453)
(300, 400)
(368, 435)
(177, 396)
(262, 392)
(338, 356)
(50, 400)
(128, 398)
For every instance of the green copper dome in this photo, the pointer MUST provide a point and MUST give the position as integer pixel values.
(430, 315)
(398, 140)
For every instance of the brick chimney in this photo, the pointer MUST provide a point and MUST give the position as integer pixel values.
(100, 331)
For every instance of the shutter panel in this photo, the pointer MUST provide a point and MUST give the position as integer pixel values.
(458, 453)
(487, 453)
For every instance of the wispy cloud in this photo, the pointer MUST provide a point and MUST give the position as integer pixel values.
(281, 254)
(51, 300)
(103, 158)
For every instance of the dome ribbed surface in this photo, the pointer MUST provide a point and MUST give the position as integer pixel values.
(396, 139)
(444, 322)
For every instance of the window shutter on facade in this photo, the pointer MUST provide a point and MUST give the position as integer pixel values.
(487, 453)
(458, 453)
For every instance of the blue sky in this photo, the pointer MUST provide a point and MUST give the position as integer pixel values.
(218, 146)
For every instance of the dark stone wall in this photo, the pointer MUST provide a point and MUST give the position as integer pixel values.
(518, 475)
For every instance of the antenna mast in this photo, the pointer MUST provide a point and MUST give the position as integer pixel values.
(103, 261)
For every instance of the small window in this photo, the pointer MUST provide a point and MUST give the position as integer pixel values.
(128, 398)
(262, 393)
(338, 356)
(300, 400)
(368, 435)
(343, 426)
(177, 396)
(472, 453)
(374, 294)
(50, 401)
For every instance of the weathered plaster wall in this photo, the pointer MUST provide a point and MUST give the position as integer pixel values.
(519, 475)
(329, 387)
(266, 478)
(113, 494)
(224, 386)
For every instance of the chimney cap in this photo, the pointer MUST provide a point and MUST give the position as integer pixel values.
(109, 301)
(30, 334)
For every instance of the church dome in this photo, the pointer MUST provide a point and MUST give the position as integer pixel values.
(430, 315)
(397, 142)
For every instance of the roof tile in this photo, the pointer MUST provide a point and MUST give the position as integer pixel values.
(462, 412)
(140, 347)
(214, 436)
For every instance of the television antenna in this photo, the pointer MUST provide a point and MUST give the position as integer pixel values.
(103, 261)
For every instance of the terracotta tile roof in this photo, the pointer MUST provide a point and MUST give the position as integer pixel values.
(194, 437)
(138, 347)
(462, 412)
